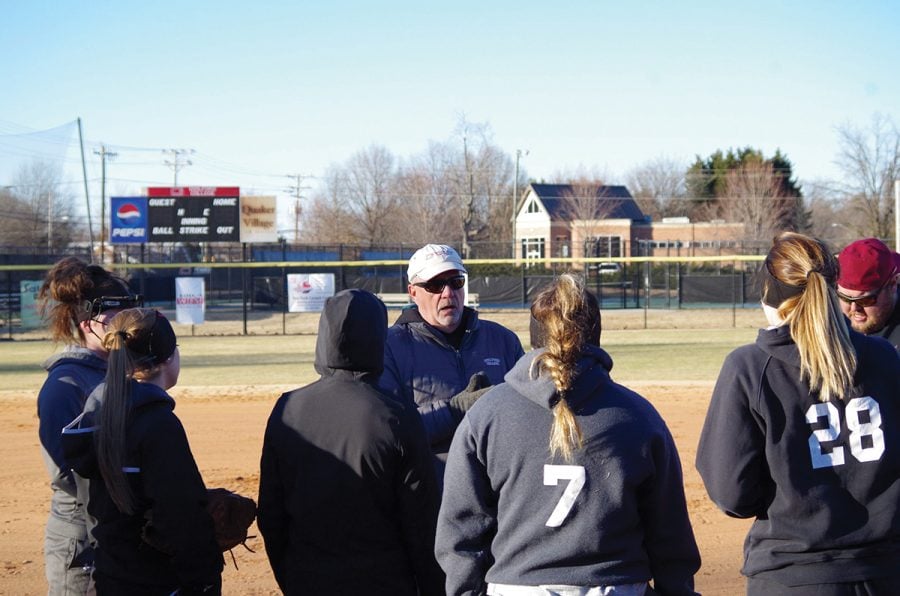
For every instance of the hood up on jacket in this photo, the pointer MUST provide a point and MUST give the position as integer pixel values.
(352, 331)
(592, 372)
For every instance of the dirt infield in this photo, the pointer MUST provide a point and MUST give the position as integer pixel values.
(225, 427)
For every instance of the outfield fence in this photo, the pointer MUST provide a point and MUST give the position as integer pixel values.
(253, 294)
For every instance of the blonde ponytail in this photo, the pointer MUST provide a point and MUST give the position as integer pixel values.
(817, 325)
(569, 318)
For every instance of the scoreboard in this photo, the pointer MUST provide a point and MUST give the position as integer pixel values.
(193, 214)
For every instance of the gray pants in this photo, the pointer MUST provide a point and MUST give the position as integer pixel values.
(68, 560)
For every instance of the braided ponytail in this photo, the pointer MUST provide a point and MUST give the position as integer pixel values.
(569, 319)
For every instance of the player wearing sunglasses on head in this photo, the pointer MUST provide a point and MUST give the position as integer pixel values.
(438, 354)
(867, 288)
(78, 300)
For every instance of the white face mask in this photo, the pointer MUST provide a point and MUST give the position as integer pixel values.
(772, 316)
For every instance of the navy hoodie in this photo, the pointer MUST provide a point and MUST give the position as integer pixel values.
(72, 375)
(512, 514)
(822, 479)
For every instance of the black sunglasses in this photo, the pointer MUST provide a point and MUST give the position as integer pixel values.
(868, 299)
(103, 303)
(862, 301)
(436, 286)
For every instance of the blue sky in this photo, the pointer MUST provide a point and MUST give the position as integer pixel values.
(270, 88)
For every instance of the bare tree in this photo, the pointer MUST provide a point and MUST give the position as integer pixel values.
(15, 216)
(36, 210)
(427, 196)
(754, 196)
(585, 205)
(359, 196)
(483, 183)
(658, 187)
(870, 161)
(457, 191)
(328, 219)
(831, 218)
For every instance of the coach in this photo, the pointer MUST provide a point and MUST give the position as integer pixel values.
(439, 354)
(867, 288)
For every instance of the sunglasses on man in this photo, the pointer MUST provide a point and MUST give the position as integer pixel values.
(864, 301)
(436, 286)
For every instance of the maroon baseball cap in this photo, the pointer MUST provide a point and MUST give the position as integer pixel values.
(866, 265)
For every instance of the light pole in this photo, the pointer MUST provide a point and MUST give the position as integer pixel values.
(515, 201)
(179, 161)
(295, 190)
(49, 222)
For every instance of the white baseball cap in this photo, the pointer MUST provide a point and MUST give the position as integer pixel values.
(432, 260)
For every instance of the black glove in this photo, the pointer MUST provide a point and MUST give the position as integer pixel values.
(462, 401)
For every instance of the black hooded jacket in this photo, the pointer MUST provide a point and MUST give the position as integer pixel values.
(168, 490)
(347, 497)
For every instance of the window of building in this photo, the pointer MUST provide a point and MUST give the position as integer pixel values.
(533, 207)
(532, 248)
(561, 246)
(713, 244)
(603, 246)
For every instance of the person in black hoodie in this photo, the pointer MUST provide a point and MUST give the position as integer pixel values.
(347, 492)
(803, 434)
(154, 535)
(600, 510)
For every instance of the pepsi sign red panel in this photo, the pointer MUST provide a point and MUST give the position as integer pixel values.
(193, 214)
(128, 220)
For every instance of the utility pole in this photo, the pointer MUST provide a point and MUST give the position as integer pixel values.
(179, 161)
(105, 155)
(515, 201)
(296, 189)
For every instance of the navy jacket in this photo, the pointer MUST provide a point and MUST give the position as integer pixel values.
(822, 479)
(347, 492)
(72, 375)
(421, 367)
(511, 514)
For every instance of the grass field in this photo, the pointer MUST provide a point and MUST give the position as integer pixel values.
(655, 354)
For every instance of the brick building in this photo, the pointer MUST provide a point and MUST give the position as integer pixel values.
(558, 220)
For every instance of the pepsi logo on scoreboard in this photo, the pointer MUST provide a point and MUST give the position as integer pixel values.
(128, 220)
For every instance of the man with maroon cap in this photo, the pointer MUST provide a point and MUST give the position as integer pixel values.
(867, 288)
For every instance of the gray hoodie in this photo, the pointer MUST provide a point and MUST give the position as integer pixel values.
(616, 514)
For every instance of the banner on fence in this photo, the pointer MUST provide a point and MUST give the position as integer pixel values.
(307, 292)
(29, 315)
(190, 300)
(258, 215)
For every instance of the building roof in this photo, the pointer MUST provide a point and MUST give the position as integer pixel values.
(622, 204)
